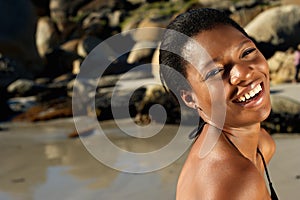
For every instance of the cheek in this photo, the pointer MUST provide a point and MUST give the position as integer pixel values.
(212, 98)
(263, 64)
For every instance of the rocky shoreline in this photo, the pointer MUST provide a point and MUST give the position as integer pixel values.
(37, 77)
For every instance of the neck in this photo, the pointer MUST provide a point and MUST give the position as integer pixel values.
(245, 139)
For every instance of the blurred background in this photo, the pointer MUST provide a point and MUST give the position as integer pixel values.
(42, 46)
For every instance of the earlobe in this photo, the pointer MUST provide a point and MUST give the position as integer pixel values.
(188, 98)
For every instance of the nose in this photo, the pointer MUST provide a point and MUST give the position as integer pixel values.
(241, 75)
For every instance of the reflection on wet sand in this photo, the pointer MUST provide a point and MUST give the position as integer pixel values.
(38, 161)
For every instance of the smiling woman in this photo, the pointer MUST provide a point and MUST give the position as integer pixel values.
(229, 80)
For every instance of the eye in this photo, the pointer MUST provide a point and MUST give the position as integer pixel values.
(248, 52)
(213, 73)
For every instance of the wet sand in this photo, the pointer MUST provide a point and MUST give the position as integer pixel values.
(39, 161)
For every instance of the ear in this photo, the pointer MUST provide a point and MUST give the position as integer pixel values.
(188, 98)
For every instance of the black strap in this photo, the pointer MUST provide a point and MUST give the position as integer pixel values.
(273, 193)
(196, 132)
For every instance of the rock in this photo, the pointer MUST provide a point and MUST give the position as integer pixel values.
(137, 1)
(104, 82)
(76, 66)
(103, 58)
(147, 37)
(7, 76)
(142, 52)
(60, 10)
(115, 18)
(9, 71)
(284, 105)
(156, 94)
(287, 2)
(96, 5)
(153, 34)
(75, 5)
(96, 24)
(70, 46)
(53, 109)
(244, 16)
(21, 87)
(42, 7)
(276, 29)
(42, 81)
(131, 23)
(161, 13)
(155, 64)
(59, 13)
(59, 62)
(47, 36)
(284, 116)
(62, 80)
(86, 45)
(219, 4)
(21, 104)
(282, 67)
(16, 15)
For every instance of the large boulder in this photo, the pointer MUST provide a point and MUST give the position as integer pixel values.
(17, 31)
(276, 29)
(147, 38)
(282, 67)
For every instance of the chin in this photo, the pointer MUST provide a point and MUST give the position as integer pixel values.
(266, 114)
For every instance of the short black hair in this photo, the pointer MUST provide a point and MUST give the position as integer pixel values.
(189, 24)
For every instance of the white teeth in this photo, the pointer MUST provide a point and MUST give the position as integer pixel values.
(247, 96)
(242, 99)
(252, 93)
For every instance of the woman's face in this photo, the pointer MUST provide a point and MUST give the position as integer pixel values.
(234, 79)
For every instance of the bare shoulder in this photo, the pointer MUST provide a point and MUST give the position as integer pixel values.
(222, 178)
(239, 179)
(267, 145)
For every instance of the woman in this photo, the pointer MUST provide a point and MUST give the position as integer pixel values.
(232, 76)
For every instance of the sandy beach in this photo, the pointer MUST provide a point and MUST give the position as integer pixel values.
(39, 161)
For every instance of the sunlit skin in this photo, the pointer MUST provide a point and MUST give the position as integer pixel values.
(227, 172)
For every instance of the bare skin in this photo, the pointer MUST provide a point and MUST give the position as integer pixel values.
(232, 169)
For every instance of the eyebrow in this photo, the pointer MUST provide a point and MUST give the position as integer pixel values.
(219, 58)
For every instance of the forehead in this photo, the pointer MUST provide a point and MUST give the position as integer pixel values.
(219, 38)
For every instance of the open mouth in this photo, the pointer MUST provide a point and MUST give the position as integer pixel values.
(251, 95)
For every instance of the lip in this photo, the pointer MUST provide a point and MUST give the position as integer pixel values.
(254, 102)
